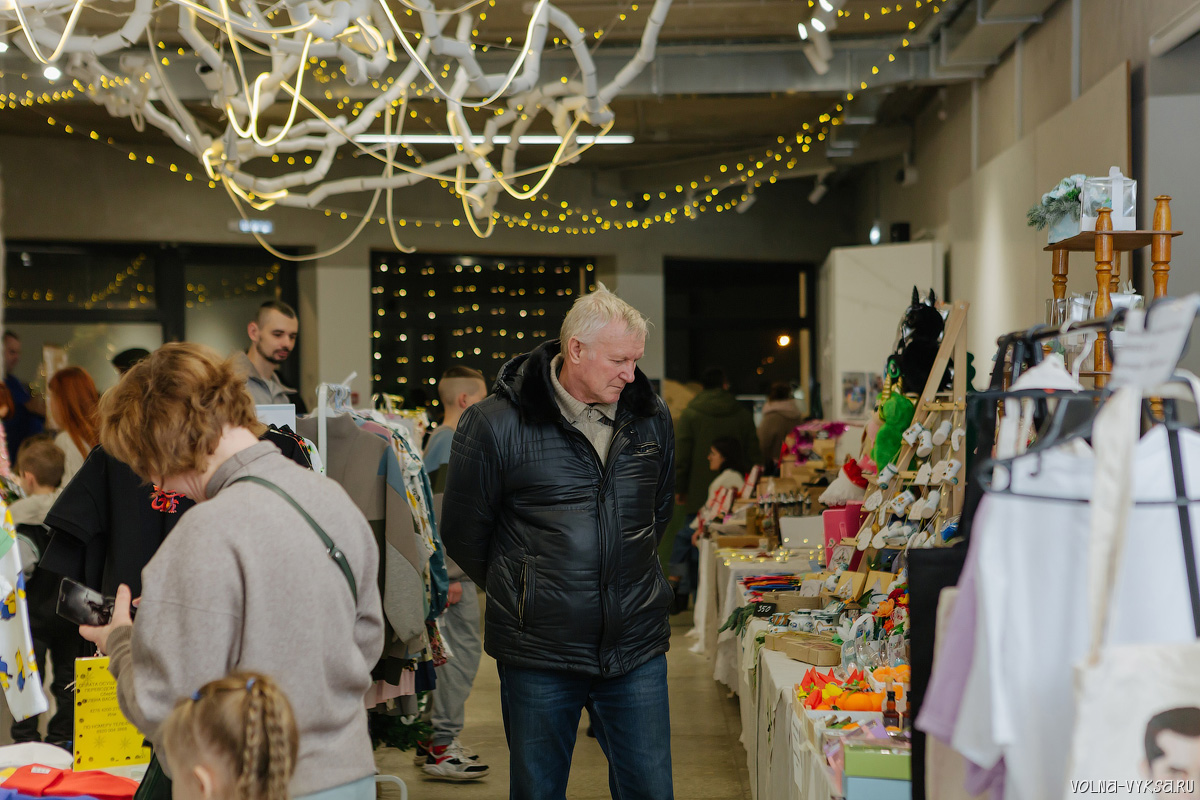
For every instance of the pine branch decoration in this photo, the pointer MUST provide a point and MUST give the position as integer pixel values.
(1059, 202)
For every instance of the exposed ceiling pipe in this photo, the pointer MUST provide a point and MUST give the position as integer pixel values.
(1176, 32)
(982, 37)
(928, 30)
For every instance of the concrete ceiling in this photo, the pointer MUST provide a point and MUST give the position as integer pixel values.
(711, 20)
(731, 77)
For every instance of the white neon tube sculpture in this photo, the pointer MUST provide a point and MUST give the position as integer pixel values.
(366, 38)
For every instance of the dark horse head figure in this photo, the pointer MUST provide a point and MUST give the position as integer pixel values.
(920, 335)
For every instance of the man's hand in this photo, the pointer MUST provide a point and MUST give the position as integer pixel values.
(121, 616)
(696, 536)
(454, 593)
(680, 499)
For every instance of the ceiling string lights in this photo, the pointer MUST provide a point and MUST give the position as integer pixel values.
(366, 38)
(319, 137)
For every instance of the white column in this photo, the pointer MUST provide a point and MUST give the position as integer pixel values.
(336, 325)
(639, 282)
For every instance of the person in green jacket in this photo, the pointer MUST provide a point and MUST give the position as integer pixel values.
(712, 414)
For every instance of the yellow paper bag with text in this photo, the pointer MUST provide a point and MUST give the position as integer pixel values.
(103, 737)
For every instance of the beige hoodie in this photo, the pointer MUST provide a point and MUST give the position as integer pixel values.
(242, 582)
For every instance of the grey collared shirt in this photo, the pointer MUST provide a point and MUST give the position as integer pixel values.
(264, 392)
(593, 421)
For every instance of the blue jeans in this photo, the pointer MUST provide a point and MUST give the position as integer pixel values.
(630, 717)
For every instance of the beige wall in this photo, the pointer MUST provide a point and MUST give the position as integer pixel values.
(1030, 135)
(997, 262)
(1112, 32)
(67, 188)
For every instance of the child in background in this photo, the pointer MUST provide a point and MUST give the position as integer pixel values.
(40, 465)
(235, 739)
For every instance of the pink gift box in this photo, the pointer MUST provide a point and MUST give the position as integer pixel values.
(841, 523)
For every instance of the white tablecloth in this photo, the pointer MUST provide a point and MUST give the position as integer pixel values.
(783, 764)
(730, 596)
(706, 606)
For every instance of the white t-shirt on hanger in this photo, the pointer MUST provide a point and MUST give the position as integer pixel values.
(1032, 586)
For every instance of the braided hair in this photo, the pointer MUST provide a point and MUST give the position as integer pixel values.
(244, 719)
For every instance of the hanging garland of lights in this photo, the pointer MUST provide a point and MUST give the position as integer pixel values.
(688, 200)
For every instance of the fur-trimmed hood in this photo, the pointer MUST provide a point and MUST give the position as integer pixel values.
(525, 380)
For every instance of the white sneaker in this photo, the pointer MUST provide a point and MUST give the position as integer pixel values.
(453, 764)
(461, 749)
(421, 752)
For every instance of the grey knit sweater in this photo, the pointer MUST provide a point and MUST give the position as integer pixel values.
(243, 582)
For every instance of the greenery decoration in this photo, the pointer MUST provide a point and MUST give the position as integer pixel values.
(400, 732)
(1057, 203)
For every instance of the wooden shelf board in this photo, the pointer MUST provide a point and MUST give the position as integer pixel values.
(1123, 241)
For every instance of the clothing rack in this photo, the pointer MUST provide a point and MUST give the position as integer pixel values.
(391, 403)
(337, 394)
(1019, 341)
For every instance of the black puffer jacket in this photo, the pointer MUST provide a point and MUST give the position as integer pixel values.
(566, 548)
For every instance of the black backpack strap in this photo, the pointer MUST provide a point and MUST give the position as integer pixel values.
(337, 555)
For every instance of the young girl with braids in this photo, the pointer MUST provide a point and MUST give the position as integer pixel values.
(235, 739)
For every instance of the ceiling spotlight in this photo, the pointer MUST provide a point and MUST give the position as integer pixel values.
(825, 4)
(52, 72)
(818, 24)
(3, 46)
(876, 234)
(784, 340)
(803, 31)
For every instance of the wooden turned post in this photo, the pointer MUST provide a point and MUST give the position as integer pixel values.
(1059, 271)
(1160, 245)
(1114, 285)
(1104, 266)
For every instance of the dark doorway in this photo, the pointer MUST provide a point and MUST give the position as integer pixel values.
(753, 319)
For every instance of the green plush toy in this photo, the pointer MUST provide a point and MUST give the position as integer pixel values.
(897, 414)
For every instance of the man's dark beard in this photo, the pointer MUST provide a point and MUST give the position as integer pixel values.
(270, 356)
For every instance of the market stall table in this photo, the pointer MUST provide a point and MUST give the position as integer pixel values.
(783, 764)
(728, 567)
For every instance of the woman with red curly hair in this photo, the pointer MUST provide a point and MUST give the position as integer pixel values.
(250, 578)
(74, 402)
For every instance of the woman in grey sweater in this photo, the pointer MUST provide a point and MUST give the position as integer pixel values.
(244, 581)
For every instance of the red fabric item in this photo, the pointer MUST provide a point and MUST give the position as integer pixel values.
(38, 781)
(33, 779)
(854, 473)
(94, 783)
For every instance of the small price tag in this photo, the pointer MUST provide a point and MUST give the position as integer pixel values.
(764, 609)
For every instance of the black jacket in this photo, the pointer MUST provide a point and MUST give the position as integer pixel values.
(566, 548)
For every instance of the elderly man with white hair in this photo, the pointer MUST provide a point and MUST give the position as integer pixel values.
(560, 486)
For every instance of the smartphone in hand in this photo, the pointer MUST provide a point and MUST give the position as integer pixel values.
(83, 606)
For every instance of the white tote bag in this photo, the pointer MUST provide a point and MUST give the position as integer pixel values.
(1137, 722)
